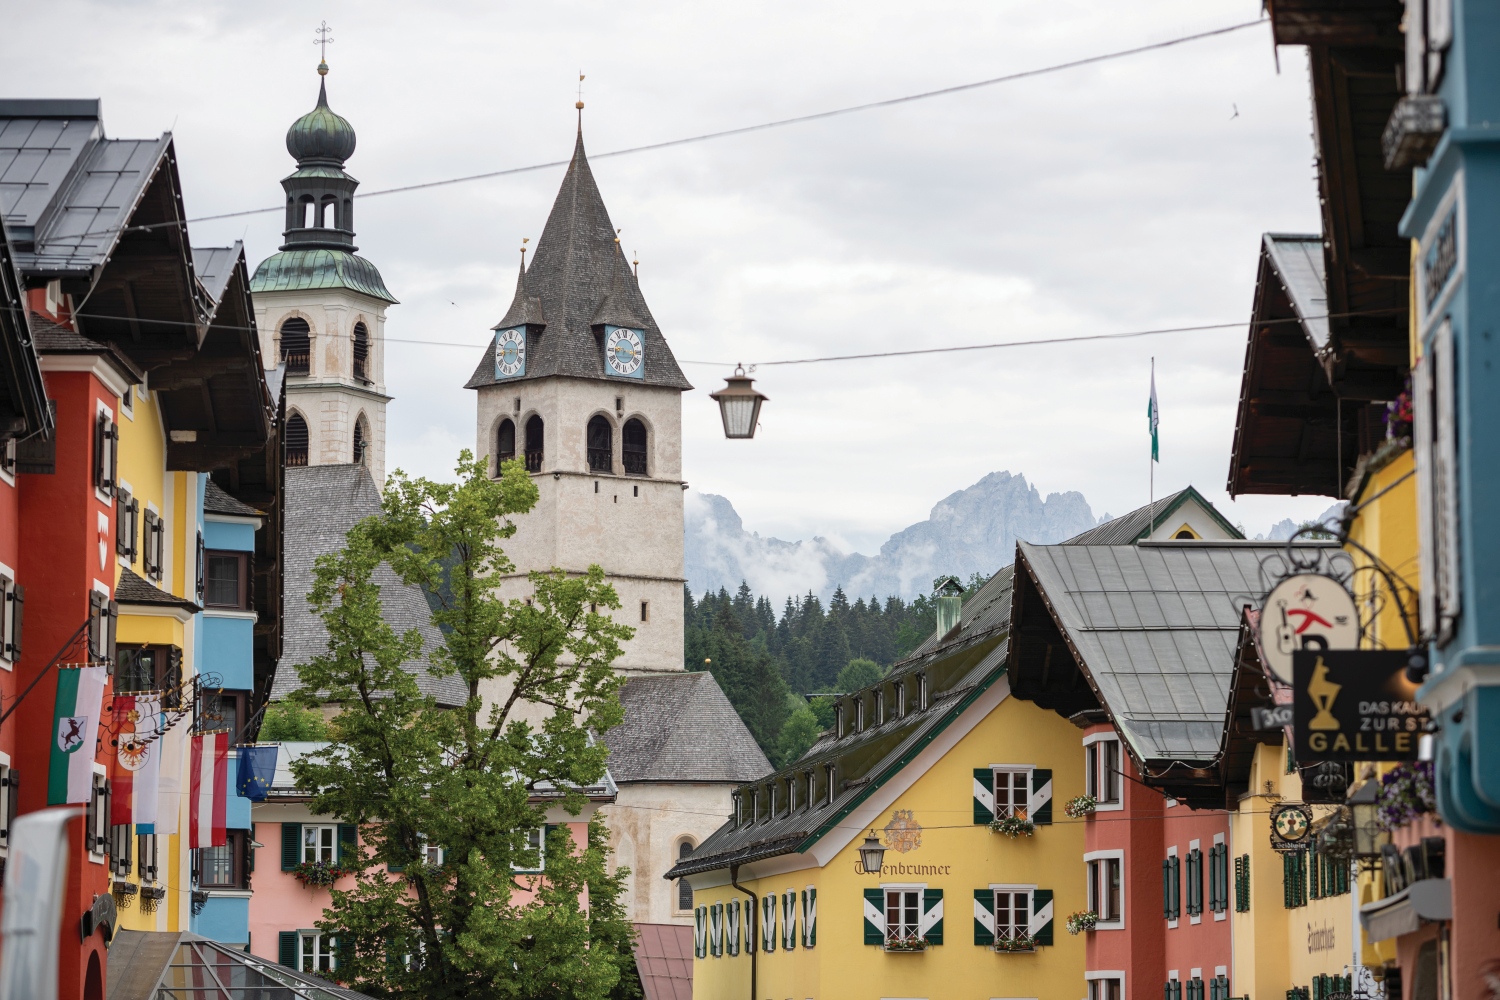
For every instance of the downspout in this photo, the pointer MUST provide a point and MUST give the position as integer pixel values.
(734, 876)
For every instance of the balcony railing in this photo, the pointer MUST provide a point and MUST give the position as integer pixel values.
(534, 461)
(296, 362)
(600, 460)
(635, 463)
(296, 457)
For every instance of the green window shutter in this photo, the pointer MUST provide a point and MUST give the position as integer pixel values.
(1242, 884)
(1286, 881)
(931, 927)
(1195, 882)
(789, 920)
(717, 916)
(748, 907)
(984, 916)
(286, 941)
(810, 918)
(1039, 805)
(348, 835)
(700, 932)
(1166, 890)
(343, 952)
(1041, 916)
(1174, 893)
(291, 846)
(768, 923)
(875, 916)
(984, 796)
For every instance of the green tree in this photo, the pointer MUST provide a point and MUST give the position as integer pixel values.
(858, 673)
(285, 722)
(797, 736)
(410, 773)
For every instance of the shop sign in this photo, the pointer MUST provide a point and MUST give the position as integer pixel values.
(1355, 705)
(1306, 611)
(1440, 255)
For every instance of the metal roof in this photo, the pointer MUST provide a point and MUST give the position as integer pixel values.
(40, 142)
(23, 396)
(300, 270)
(680, 727)
(179, 965)
(1299, 264)
(1139, 523)
(579, 278)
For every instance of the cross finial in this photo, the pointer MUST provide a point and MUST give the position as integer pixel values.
(325, 35)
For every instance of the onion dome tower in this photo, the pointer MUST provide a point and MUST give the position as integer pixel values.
(321, 309)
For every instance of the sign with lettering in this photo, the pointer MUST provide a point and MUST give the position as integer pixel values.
(1440, 255)
(1355, 704)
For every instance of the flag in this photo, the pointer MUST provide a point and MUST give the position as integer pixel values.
(136, 775)
(75, 731)
(208, 799)
(257, 769)
(169, 789)
(1153, 416)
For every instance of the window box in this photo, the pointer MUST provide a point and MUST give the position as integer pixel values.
(319, 873)
(1081, 806)
(1018, 944)
(1013, 826)
(1083, 920)
(905, 943)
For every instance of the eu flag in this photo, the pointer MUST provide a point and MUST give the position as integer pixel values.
(257, 769)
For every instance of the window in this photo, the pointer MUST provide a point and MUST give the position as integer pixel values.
(1104, 889)
(1171, 887)
(1012, 785)
(901, 700)
(319, 843)
(1173, 990)
(1102, 780)
(103, 614)
(601, 445)
(294, 440)
(139, 669)
(1194, 989)
(127, 513)
(1326, 875)
(198, 568)
(361, 352)
(146, 856)
(296, 345)
(10, 800)
(223, 867)
(859, 715)
(505, 443)
(633, 447)
(1194, 866)
(1106, 988)
(832, 771)
(432, 854)
(1242, 884)
(153, 545)
(222, 710)
(838, 720)
(119, 850)
(1012, 914)
(127, 402)
(535, 435)
(227, 584)
(921, 692)
(361, 440)
(535, 848)
(1218, 988)
(812, 789)
(903, 915)
(106, 453)
(684, 887)
(12, 598)
(645, 611)
(316, 952)
(8, 458)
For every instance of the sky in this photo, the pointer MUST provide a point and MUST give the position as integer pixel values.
(1128, 195)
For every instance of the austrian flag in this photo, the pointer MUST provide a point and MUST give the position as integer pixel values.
(208, 790)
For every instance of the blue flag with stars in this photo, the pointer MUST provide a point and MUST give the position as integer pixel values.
(257, 769)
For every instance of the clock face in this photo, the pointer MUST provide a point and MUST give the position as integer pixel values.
(1292, 823)
(624, 352)
(510, 353)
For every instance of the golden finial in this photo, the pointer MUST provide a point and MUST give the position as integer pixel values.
(636, 262)
(524, 240)
(617, 234)
(579, 105)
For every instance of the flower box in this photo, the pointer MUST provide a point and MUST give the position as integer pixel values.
(1015, 944)
(905, 944)
(1013, 826)
(1081, 806)
(319, 873)
(1083, 920)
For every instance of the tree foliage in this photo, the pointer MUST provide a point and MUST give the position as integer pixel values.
(287, 722)
(413, 774)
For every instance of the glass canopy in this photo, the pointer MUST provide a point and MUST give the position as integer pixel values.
(206, 970)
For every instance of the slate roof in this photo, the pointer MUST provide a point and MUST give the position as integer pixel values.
(216, 501)
(1138, 523)
(578, 278)
(1154, 628)
(322, 503)
(680, 727)
(136, 589)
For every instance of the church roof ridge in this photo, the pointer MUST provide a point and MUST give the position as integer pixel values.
(578, 274)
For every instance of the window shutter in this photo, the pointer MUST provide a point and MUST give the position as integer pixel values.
(1039, 805)
(984, 795)
(716, 929)
(768, 923)
(17, 599)
(809, 917)
(874, 916)
(732, 928)
(101, 427)
(111, 626)
(1195, 882)
(291, 845)
(700, 932)
(789, 920)
(1041, 916)
(747, 906)
(931, 927)
(286, 947)
(12, 800)
(984, 916)
(1166, 888)
(348, 840)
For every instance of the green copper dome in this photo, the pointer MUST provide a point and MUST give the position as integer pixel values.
(302, 270)
(321, 134)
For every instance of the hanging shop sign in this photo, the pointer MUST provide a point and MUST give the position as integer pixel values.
(1291, 826)
(1306, 611)
(1355, 705)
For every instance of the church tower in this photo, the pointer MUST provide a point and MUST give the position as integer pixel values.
(321, 309)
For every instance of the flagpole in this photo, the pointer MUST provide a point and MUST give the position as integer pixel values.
(1151, 456)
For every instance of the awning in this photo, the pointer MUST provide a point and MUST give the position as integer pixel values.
(1420, 903)
(151, 965)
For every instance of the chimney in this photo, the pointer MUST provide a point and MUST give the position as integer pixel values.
(948, 596)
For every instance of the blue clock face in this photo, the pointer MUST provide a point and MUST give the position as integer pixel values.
(625, 351)
(510, 352)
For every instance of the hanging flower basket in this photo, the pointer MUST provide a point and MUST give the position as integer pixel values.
(1015, 943)
(319, 873)
(1083, 920)
(1406, 793)
(1013, 826)
(1081, 806)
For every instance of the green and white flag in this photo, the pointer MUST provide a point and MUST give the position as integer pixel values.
(1153, 416)
(75, 734)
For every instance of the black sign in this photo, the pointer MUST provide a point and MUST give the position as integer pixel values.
(1354, 704)
(1276, 717)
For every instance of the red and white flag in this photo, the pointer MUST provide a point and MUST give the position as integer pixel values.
(208, 790)
(137, 770)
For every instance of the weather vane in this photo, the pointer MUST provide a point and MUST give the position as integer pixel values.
(323, 33)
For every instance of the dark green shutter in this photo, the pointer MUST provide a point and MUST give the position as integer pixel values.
(1041, 794)
(1041, 916)
(874, 908)
(547, 829)
(1166, 891)
(984, 795)
(291, 845)
(348, 835)
(984, 916)
(286, 941)
(932, 900)
(343, 953)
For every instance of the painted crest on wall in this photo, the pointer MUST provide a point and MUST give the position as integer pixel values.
(903, 833)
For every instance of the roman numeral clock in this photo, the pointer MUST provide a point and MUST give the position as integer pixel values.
(625, 352)
(510, 352)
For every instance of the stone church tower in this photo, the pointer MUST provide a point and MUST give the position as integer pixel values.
(321, 309)
(579, 382)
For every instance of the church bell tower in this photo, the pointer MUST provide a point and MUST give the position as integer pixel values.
(321, 309)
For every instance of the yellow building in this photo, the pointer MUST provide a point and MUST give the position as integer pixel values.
(927, 762)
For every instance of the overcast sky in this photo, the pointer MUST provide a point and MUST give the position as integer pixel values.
(1125, 196)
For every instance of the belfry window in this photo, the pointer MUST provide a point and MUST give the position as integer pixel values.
(305, 212)
(294, 440)
(361, 352)
(534, 437)
(328, 213)
(633, 447)
(296, 345)
(505, 443)
(361, 440)
(601, 438)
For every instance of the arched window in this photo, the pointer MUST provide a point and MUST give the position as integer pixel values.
(534, 444)
(328, 213)
(361, 352)
(684, 888)
(294, 440)
(348, 215)
(296, 345)
(601, 445)
(361, 440)
(633, 447)
(505, 443)
(304, 216)
(1184, 533)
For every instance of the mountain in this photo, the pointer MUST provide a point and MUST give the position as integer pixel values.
(971, 531)
(1283, 529)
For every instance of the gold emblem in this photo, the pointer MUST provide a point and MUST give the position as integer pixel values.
(1323, 691)
(903, 833)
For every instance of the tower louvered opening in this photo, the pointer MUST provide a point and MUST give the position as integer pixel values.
(633, 447)
(534, 435)
(361, 352)
(505, 443)
(295, 440)
(601, 438)
(296, 345)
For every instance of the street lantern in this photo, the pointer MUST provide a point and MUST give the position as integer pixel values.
(739, 404)
(872, 854)
(1364, 805)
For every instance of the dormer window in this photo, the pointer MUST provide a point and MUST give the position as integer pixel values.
(812, 789)
(831, 771)
(838, 720)
(901, 700)
(921, 692)
(739, 810)
(771, 797)
(859, 715)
